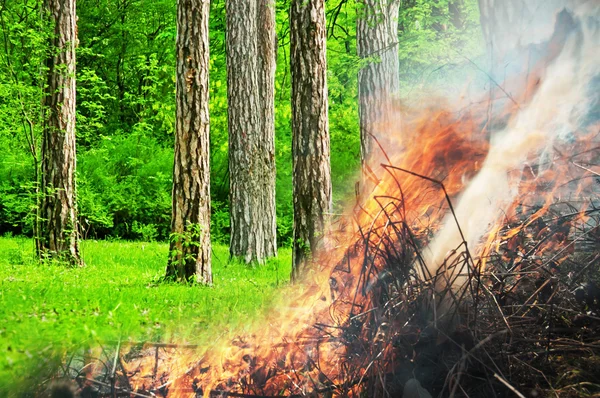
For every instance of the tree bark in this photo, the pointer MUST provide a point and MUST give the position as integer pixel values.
(267, 64)
(310, 129)
(378, 80)
(58, 208)
(190, 248)
(250, 93)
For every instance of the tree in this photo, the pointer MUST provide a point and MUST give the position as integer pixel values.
(250, 95)
(378, 80)
(58, 208)
(190, 249)
(310, 129)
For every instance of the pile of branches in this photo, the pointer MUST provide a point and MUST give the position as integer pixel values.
(519, 317)
(522, 317)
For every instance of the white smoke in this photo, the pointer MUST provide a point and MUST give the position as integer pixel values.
(560, 106)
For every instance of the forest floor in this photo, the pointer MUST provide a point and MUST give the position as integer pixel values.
(46, 310)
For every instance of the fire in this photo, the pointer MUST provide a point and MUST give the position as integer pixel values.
(321, 340)
(457, 227)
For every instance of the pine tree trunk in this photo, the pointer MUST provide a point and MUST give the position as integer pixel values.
(310, 129)
(378, 81)
(58, 208)
(267, 64)
(190, 248)
(250, 94)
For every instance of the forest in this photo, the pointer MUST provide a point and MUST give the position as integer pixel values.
(299, 198)
(126, 107)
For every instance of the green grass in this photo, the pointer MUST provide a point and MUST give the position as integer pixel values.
(50, 309)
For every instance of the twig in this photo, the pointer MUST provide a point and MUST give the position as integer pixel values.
(137, 394)
(586, 169)
(114, 369)
(507, 384)
(492, 80)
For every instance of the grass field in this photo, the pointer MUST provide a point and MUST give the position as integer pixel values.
(49, 309)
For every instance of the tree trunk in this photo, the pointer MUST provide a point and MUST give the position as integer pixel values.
(250, 94)
(378, 81)
(267, 64)
(190, 249)
(310, 129)
(58, 208)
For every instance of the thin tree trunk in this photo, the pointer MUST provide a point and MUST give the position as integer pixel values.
(58, 229)
(310, 129)
(250, 95)
(190, 248)
(267, 58)
(378, 81)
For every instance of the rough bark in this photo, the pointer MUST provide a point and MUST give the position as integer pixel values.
(267, 64)
(378, 80)
(58, 236)
(267, 57)
(190, 248)
(310, 129)
(250, 94)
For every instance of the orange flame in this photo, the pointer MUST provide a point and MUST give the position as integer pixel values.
(345, 323)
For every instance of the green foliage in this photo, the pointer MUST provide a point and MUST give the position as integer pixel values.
(190, 238)
(23, 35)
(146, 232)
(126, 106)
(124, 187)
(92, 95)
(49, 309)
(343, 65)
(219, 222)
(129, 46)
(435, 38)
(17, 198)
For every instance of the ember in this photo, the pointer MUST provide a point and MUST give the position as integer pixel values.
(468, 262)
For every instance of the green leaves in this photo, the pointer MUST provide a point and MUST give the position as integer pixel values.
(434, 34)
(126, 180)
(126, 105)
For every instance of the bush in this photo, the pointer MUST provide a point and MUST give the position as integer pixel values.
(17, 191)
(125, 186)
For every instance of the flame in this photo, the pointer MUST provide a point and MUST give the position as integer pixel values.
(447, 205)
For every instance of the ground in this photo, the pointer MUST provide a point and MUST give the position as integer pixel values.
(47, 310)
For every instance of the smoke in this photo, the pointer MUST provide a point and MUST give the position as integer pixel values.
(510, 26)
(559, 103)
(339, 326)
